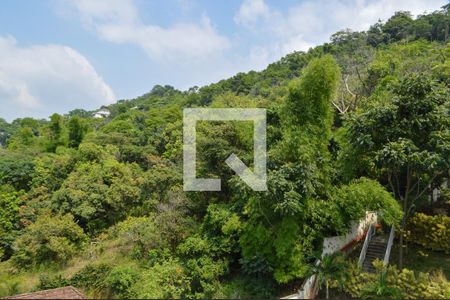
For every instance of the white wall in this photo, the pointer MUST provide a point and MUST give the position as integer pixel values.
(331, 245)
(357, 230)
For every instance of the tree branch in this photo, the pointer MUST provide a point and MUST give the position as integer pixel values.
(362, 81)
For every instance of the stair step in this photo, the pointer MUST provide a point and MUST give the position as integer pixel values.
(376, 249)
(374, 256)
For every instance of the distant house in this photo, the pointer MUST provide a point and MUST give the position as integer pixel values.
(68, 292)
(102, 113)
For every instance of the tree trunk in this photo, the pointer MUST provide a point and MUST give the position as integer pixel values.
(328, 294)
(402, 229)
(400, 251)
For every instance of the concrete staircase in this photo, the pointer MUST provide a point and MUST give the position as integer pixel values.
(376, 250)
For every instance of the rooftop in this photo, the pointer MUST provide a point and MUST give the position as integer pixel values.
(68, 292)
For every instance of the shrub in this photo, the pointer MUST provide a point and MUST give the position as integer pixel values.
(10, 201)
(202, 265)
(46, 282)
(49, 239)
(432, 232)
(16, 170)
(363, 195)
(139, 234)
(356, 280)
(166, 279)
(92, 277)
(120, 281)
(391, 282)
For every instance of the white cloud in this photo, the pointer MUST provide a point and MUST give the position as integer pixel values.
(311, 23)
(118, 21)
(117, 11)
(251, 11)
(42, 79)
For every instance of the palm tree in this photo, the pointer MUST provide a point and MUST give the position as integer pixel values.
(329, 267)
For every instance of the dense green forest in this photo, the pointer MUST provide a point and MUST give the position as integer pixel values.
(357, 124)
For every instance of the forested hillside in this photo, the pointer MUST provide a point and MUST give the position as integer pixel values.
(358, 124)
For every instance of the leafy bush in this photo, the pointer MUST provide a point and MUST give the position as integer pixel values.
(99, 195)
(10, 202)
(49, 239)
(432, 232)
(10, 286)
(47, 282)
(363, 195)
(392, 283)
(166, 279)
(222, 228)
(202, 265)
(120, 281)
(92, 277)
(356, 280)
(16, 170)
(139, 234)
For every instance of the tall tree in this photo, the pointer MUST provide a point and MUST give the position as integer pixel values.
(329, 267)
(76, 131)
(55, 129)
(282, 227)
(406, 144)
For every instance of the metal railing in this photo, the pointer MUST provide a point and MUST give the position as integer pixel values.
(370, 233)
(389, 246)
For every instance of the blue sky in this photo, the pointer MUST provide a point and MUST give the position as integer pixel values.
(57, 55)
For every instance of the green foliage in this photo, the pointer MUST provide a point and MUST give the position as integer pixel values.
(277, 230)
(401, 26)
(121, 176)
(280, 247)
(47, 282)
(16, 169)
(432, 232)
(222, 229)
(54, 133)
(49, 239)
(330, 267)
(52, 169)
(140, 234)
(380, 289)
(202, 265)
(392, 283)
(247, 287)
(121, 280)
(165, 280)
(21, 139)
(79, 113)
(356, 280)
(364, 195)
(9, 287)
(99, 194)
(309, 97)
(92, 277)
(162, 177)
(399, 61)
(174, 219)
(6, 130)
(77, 130)
(10, 202)
(404, 143)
